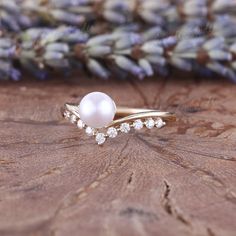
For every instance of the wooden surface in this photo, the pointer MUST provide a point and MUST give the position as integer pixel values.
(180, 180)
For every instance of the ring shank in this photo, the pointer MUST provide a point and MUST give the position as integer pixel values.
(126, 111)
(125, 114)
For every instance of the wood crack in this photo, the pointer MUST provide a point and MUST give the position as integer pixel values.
(53, 142)
(221, 157)
(130, 180)
(210, 232)
(170, 208)
(160, 150)
(33, 122)
(132, 212)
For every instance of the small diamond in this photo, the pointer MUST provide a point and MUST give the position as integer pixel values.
(89, 131)
(100, 138)
(80, 124)
(138, 124)
(66, 114)
(73, 119)
(124, 128)
(159, 123)
(150, 123)
(112, 132)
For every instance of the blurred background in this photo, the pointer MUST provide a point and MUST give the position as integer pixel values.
(112, 38)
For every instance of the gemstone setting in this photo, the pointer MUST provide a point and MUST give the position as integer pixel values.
(149, 123)
(100, 138)
(73, 119)
(80, 124)
(89, 131)
(112, 132)
(66, 114)
(97, 110)
(160, 123)
(138, 124)
(125, 128)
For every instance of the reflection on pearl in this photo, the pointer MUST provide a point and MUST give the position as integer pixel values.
(97, 109)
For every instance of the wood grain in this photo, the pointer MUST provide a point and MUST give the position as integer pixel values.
(180, 180)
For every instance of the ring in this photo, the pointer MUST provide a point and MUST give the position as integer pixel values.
(98, 115)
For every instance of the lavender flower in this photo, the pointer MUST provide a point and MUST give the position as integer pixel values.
(119, 53)
(21, 14)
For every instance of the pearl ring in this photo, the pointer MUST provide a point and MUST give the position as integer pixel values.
(98, 115)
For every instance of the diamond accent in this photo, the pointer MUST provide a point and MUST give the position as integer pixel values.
(66, 114)
(100, 138)
(112, 132)
(73, 119)
(89, 131)
(150, 123)
(80, 124)
(125, 128)
(159, 123)
(138, 124)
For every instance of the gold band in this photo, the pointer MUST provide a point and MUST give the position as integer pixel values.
(125, 119)
(130, 114)
(125, 114)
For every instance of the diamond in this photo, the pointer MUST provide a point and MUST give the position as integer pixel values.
(112, 132)
(160, 123)
(80, 124)
(66, 114)
(150, 123)
(138, 124)
(125, 128)
(100, 138)
(73, 119)
(89, 131)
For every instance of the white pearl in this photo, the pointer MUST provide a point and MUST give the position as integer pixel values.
(97, 109)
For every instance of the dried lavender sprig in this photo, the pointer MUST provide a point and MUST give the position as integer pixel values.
(119, 53)
(18, 14)
(223, 26)
(12, 18)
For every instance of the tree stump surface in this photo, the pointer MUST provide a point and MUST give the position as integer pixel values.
(179, 180)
